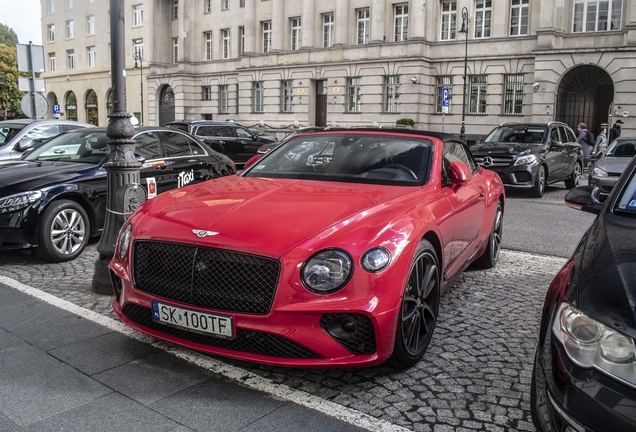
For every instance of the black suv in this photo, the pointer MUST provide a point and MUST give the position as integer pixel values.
(232, 139)
(531, 155)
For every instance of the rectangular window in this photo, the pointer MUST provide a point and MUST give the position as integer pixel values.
(441, 82)
(138, 48)
(267, 36)
(519, 17)
(513, 94)
(69, 4)
(90, 25)
(69, 29)
(225, 35)
(327, 30)
(242, 40)
(225, 4)
(363, 26)
(401, 14)
(91, 56)
(477, 94)
(138, 15)
(353, 95)
(257, 96)
(483, 12)
(208, 45)
(206, 93)
(242, 3)
(295, 33)
(207, 6)
(175, 10)
(70, 59)
(449, 20)
(224, 99)
(286, 96)
(51, 32)
(52, 64)
(175, 50)
(50, 6)
(597, 15)
(392, 93)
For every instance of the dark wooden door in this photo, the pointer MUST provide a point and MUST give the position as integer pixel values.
(321, 103)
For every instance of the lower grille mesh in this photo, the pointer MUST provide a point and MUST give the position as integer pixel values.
(362, 341)
(247, 341)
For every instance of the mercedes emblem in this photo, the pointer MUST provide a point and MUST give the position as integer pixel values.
(487, 161)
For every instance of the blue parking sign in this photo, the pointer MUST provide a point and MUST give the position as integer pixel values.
(56, 110)
(445, 100)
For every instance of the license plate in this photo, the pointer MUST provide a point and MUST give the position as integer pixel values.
(202, 322)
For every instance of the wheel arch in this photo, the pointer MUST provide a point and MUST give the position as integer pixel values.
(433, 239)
(75, 197)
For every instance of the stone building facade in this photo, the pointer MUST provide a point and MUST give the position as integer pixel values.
(352, 62)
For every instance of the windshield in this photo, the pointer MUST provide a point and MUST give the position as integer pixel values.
(8, 131)
(81, 147)
(622, 148)
(518, 133)
(362, 158)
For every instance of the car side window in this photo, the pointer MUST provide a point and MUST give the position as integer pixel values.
(564, 134)
(205, 131)
(242, 133)
(147, 145)
(571, 136)
(43, 132)
(176, 144)
(196, 148)
(554, 134)
(224, 131)
(456, 152)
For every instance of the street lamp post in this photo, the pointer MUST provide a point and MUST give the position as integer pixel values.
(464, 29)
(139, 58)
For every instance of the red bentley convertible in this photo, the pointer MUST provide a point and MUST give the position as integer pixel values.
(332, 250)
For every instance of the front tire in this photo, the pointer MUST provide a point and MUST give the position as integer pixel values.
(420, 305)
(491, 255)
(539, 184)
(575, 178)
(63, 231)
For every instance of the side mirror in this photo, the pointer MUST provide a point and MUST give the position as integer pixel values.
(459, 173)
(585, 198)
(252, 161)
(555, 143)
(25, 143)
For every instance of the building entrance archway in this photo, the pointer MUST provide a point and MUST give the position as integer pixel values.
(585, 96)
(166, 105)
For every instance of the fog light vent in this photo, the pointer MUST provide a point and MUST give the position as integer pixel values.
(352, 331)
(117, 284)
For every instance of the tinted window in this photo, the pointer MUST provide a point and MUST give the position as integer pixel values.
(627, 199)
(147, 145)
(456, 152)
(571, 136)
(554, 134)
(242, 133)
(622, 148)
(196, 148)
(564, 134)
(206, 131)
(512, 133)
(224, 131)
(181, 127)
(176, 144)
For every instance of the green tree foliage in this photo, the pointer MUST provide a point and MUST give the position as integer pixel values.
(9, 94)
(8, 36)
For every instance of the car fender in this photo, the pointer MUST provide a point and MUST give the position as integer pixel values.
(71, 192)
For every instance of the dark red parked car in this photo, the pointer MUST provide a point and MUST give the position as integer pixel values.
(331, 250)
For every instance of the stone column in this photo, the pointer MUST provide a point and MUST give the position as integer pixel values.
(378, 12)
(250, 27)
(417, 17)
(308, 23)
(278, 25)
(341, 22)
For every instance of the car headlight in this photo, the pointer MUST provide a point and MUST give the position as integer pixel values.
(598, 172)
(19, 201)
(124, 240)
(327, 271)
(375, 259)
(588, 343)
(524, 160)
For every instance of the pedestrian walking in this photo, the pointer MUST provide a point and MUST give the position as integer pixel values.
(601, 142)
(615, 131)
(586, 139)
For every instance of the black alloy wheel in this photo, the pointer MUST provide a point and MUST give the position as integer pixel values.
(491, 255)
(575, 178)
(539, 184)
(420, 305)
(63, 231)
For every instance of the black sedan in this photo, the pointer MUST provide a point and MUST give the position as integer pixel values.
(584, 376)
(54, 199)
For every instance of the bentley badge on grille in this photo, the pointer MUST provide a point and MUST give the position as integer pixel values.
(203, 233)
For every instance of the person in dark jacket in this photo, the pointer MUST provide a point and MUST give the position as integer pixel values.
(587, 141)
(615, 131)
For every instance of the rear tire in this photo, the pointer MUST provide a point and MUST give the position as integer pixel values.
(420, 305)
(539, 184)
(63, 231)
(491, 255)
(575, 178)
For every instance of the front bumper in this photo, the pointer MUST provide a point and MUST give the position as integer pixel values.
(17, 230)
(605, 184)
(582, 399)
(519, 177)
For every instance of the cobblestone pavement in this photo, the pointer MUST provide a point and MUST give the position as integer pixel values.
(474, 376)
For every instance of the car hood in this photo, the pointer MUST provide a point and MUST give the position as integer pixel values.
(21, 176)
(263, 216)
(613, 164)
(607, 286)
(503, 148)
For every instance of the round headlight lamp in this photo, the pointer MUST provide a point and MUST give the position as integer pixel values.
(124, 241)
(327, 271)
(375, 259)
